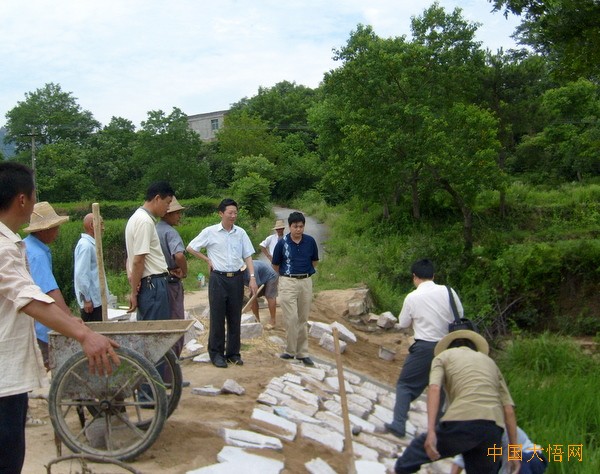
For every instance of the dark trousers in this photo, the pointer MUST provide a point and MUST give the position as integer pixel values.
(471, 438)
(414, 378)
(13, 414)
(94, 316)
(225, 298)
(153, 299)
(177, 309)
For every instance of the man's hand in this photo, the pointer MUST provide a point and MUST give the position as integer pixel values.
(132, 303)
(88, 307)
(100, 351)
(253, 286)
(431, 446)
(514, 466)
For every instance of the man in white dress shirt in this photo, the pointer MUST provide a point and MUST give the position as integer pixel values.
(427, 309)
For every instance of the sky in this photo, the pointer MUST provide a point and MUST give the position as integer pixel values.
(124, 58)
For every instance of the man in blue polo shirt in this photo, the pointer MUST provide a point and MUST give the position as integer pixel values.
(295, 258)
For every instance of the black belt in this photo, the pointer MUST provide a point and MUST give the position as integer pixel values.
(157, 275)
(298, 276)
(229, 274)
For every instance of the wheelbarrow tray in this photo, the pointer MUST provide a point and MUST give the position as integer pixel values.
(151, 339)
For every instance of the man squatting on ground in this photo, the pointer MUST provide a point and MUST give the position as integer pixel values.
(173, 250)
(295, 258)
(228, 248)
(146, 264)
(427, 309)
(22, 302)
(85, 273)
(480, 408)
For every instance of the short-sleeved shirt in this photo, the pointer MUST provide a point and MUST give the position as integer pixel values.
(227, 250)
(22, 368)
(270, 242)
(296, 258)
(141, 239)
(85, 272)
(263, 272)
(170, 242)
(40, 266)
(475, 386)
(428, 310)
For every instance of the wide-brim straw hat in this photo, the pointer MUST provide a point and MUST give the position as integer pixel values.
(279, 224)
(175, 206)
(479, 341)
(44, 217)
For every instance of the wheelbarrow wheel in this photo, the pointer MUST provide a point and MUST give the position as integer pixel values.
(118, 416)
(170, 371)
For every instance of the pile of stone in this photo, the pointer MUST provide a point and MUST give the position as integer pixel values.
(305, 403)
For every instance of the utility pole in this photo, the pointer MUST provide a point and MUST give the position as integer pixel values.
(33, 161)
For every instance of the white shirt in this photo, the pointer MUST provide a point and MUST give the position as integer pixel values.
(141, 239)
(227, 250)
(22, 368)
(428, 310)
(270, 242)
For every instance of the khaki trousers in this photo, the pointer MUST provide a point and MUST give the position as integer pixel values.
(295, 297)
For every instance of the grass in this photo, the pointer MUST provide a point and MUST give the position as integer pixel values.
(554, 385)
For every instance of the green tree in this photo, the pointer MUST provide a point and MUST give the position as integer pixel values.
(568, 147)
(376, 124)
(109, 156)
(63, 173)
(464, 163)
(167, 149)
(284, 107)
(49, 115)
(566, 31)
(252, 193)
(242, 135)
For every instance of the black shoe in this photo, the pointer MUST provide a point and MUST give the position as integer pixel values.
(397, 433)
(220, 362)
(235, 360)
(306, 361)
(286, 356)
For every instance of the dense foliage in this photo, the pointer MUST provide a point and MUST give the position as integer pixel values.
(423, 146)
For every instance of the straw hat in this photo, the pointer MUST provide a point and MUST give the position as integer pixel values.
(279, 224)
(480, 343)
(175, 206)
(44, 217)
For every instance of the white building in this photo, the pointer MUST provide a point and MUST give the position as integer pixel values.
(207, 125)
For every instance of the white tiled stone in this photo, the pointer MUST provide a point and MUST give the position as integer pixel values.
(364, 466)
(251, 331)
(317, 329)
(250, 439)
(322, 436)
(343, 332)
(318, 466)
(249, 462)
(274, 425)
(386, 320)
(300, 394)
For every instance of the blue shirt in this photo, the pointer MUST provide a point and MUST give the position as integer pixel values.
(170, 242)
(296, 258)
(227, 250)
(263, 272)
(85, 275)
(40, 267)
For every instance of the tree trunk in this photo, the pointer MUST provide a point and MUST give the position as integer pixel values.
(416, 203)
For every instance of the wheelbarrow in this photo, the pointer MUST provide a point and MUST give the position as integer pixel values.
(120, 415)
